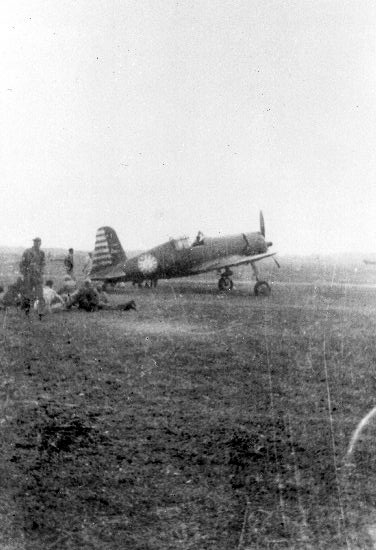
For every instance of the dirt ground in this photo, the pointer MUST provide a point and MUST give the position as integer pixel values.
(201, 421)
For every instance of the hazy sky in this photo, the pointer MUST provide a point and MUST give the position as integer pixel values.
(163, 117)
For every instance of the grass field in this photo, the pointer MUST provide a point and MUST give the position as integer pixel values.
(202, 421)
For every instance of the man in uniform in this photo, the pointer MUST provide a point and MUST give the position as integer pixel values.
(91, 298)
(88, 265)
(85, 297)
(68, 288)
(69, 263)
(32, 268)
(199, 239)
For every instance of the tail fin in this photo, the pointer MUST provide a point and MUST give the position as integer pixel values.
(108, 250)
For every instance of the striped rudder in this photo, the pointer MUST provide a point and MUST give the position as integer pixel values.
(108, 250)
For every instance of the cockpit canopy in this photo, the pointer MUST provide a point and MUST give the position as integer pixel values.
(182, 243)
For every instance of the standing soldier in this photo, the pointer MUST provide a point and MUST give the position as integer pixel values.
(32, 267)
(88, 265)
(69, 263)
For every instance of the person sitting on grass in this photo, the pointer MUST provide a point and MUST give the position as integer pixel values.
(90, 298)
(54, 301)
(85, 297)
(15, 296)
(68, 288)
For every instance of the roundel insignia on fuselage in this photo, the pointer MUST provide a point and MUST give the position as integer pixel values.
(147, 263)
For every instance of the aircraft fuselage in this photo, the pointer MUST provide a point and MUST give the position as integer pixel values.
(178, 257)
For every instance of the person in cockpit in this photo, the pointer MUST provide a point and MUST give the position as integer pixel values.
(199, 239)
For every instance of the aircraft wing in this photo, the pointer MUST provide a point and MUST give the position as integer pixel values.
(230, 261)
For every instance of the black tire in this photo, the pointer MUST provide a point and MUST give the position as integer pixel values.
(225, 283)
(262, 288)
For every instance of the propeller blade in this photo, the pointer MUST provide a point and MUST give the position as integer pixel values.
(277, 264)
(262, 224)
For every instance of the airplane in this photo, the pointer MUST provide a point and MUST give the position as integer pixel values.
(181, 257)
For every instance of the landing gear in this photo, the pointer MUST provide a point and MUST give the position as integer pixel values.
(151, 283)
(225, 281)
(262, 288)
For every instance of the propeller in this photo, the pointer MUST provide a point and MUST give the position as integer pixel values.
(248, 249)
(262, 224)
(262, 229)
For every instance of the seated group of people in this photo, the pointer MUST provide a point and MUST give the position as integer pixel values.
(85, 296)
(15, 295)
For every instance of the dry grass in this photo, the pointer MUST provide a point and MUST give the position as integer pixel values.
(203, 421)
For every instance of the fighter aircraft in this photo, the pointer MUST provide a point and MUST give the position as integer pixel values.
(181, 257)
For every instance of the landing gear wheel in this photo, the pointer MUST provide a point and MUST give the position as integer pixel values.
(225, 283)
(262, 288)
